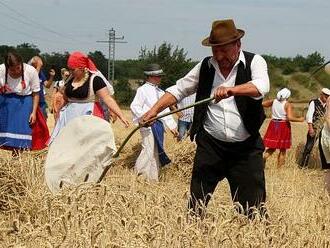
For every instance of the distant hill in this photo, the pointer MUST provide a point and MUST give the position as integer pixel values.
(295, 74)
(302, 86)
(291, 72)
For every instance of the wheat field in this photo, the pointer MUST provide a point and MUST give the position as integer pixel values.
(127, 211)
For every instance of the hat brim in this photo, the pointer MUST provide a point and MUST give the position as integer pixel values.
(325, 92)
(154, 74)
(206, 41)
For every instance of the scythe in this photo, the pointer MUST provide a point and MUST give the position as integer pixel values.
(85, 148)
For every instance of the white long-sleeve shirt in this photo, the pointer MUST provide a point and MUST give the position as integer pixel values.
(223, 120)
(187, 114)
(146, 97)
(31, 79)
(311, 110)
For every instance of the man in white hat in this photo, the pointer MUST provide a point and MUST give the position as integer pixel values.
(315, 112)
(152, 156)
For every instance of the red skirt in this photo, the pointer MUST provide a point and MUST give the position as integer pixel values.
(40, 133)
(278, 135)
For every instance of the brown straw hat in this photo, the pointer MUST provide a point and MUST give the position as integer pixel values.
(222, 33)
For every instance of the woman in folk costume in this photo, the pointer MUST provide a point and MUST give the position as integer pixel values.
(324, 146)
(22, 125)
(278, 134)
(83, 91)
(57, 97)
(152, 156)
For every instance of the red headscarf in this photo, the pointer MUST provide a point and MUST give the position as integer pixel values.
(80, 60)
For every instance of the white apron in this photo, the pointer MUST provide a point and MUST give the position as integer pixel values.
(84, 146)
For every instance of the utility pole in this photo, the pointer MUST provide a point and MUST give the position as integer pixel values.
(111, 60)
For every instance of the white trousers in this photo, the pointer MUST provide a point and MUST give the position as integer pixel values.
(147, 164)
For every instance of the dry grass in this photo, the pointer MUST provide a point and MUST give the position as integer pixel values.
(127, 211)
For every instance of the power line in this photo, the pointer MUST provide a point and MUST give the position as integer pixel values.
(14, 18)
(35, 23)
(111, 60)
(35, 37)
(24, 33)
(27, 34)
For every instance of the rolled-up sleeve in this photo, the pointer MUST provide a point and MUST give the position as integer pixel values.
(187, 85)
(259, 76)
(34, 81)
(137, 106)
(310, 112)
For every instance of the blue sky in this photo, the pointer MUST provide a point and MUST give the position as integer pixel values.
(278, 27)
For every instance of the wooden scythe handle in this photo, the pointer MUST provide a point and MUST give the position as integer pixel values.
(146, 124)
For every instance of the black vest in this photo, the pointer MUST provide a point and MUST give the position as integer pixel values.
(319, 110)
(251, 111)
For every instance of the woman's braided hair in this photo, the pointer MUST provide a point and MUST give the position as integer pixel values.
(12, 58)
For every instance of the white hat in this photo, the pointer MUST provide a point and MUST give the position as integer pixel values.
(326, 91)
(283, 94)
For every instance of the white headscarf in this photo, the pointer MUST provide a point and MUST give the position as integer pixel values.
(283, 94)
(108, 84)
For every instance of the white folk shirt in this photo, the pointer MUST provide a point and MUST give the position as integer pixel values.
(187, 114)
(31, 79)
(223, 120)
(278, 110)
(311, 110)
(146, 97)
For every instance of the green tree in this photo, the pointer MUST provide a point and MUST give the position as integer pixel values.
(27, 51)
(55, 61)
(100, 61)
(123, 92)
(131, 68)
(174, 61)
(289, 68)
(299, 60)
(313, 59)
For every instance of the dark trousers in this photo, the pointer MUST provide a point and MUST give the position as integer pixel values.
(240, 162)
(307, 150)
